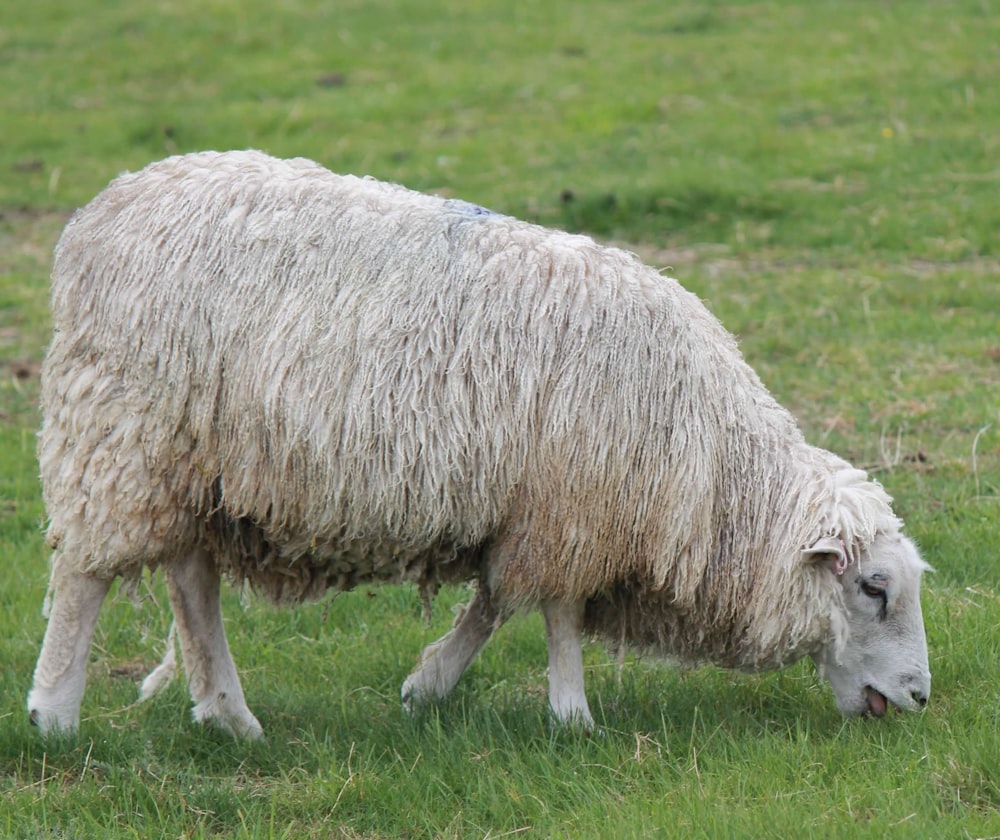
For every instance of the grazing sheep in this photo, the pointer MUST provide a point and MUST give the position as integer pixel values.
(305, 381)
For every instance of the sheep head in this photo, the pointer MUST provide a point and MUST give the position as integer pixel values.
(878, 656)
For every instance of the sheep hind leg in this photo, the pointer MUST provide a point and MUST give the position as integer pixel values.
(443, 662)
(61, 672)
(563, 630)
(193, 585)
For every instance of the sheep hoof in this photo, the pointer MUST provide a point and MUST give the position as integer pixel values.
(249, 729)
(577, 721)
(48, 717)
(49, 723)
(410, 696)
(237, 720)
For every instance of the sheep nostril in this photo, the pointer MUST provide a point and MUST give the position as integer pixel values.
(919, 697)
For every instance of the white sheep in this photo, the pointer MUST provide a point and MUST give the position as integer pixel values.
(305, 381)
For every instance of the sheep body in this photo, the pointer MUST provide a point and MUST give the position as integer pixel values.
(322, 380)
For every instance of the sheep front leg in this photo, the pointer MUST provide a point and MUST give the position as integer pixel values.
(193, 584)
(61, 672)
(564, 629)
(444, 661)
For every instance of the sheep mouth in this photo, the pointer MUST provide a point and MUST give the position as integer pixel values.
(877, 703)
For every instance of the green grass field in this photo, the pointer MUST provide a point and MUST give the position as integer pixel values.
(824, 174)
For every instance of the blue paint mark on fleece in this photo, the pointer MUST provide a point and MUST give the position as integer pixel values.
(467, 208)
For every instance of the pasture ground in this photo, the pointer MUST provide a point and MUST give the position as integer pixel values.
(823, 174)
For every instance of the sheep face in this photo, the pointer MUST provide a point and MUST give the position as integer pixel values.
(881, 655)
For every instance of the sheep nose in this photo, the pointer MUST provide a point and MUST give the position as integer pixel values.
(919, 698)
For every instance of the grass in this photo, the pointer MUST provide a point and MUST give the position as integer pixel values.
(823, 174)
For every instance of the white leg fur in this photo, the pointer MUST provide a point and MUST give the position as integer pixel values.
(193, 583)
(564, 628)
(444, 661)
(61, 672)
(163, 674)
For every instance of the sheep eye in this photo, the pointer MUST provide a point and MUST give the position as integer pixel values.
(872, 590)
(875, 587)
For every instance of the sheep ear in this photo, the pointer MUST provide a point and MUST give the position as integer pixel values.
(828, 550)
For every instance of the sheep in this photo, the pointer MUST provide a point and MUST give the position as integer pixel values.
(304, 382)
